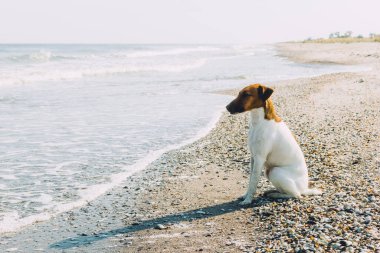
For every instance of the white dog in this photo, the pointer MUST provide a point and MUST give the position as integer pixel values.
(272, 147)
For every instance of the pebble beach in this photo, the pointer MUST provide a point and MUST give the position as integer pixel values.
(335, 119)
(187, 201)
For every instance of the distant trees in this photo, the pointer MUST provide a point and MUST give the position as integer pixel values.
(348, 34)
(375, 37)
(334, 35)
(346, 37)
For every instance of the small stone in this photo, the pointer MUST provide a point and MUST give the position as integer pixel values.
(345, 243)
(335, 245)
(371, 199)
(128, 243)
(326, 220)
(367, 220)
(160, 227)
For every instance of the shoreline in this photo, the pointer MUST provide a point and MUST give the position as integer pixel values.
(336, 53)
(116, 179)
(185, 190)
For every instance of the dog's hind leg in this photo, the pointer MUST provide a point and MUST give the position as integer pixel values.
(287, 190)
(286, 186)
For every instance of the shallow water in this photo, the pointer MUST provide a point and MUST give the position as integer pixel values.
(78, 119)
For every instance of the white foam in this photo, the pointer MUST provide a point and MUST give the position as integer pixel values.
(39, 56)
(11, 221)
(51, 74)
(145, 68)
(8, 177)
(59, 168)
(171, 52)
(11, 249)
(44, 199)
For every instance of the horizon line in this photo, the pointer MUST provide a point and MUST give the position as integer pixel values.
(138, 43)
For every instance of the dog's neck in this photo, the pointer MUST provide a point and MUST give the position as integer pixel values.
(260, 114)
(257, 115)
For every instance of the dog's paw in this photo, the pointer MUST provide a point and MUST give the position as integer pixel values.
(246, 201)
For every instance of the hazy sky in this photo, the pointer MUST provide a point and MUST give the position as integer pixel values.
(182, 21)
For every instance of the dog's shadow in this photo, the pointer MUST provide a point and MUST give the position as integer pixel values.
(195, 214)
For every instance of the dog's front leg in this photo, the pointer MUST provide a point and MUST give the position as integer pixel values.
(257, 165)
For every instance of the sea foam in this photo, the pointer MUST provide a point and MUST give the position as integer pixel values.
(12, 221)
(38, 74)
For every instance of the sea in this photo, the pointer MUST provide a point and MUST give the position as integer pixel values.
(77, 120)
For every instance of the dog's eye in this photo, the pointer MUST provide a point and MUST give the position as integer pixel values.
(246, 94)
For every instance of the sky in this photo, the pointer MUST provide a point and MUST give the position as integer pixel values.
(182, 21)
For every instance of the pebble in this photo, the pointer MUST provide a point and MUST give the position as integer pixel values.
(346, 243)
(367, 220)
(371, 199)
(160, 227)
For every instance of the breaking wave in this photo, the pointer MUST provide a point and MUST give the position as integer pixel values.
(51, 74)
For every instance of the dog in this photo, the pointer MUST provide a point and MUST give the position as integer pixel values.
(272, 147)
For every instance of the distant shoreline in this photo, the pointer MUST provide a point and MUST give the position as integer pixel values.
(364, 53)
(344, 40)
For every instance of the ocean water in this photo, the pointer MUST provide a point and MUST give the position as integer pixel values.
(77, 120)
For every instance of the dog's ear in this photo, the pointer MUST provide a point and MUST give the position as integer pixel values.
(264, 95)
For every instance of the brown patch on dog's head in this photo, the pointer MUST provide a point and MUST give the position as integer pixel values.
(251, 97)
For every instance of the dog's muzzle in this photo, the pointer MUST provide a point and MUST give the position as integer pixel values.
(231, 108)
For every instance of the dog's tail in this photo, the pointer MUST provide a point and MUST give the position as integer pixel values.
(312, 191)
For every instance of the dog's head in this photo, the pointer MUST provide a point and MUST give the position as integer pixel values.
(251, 97)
